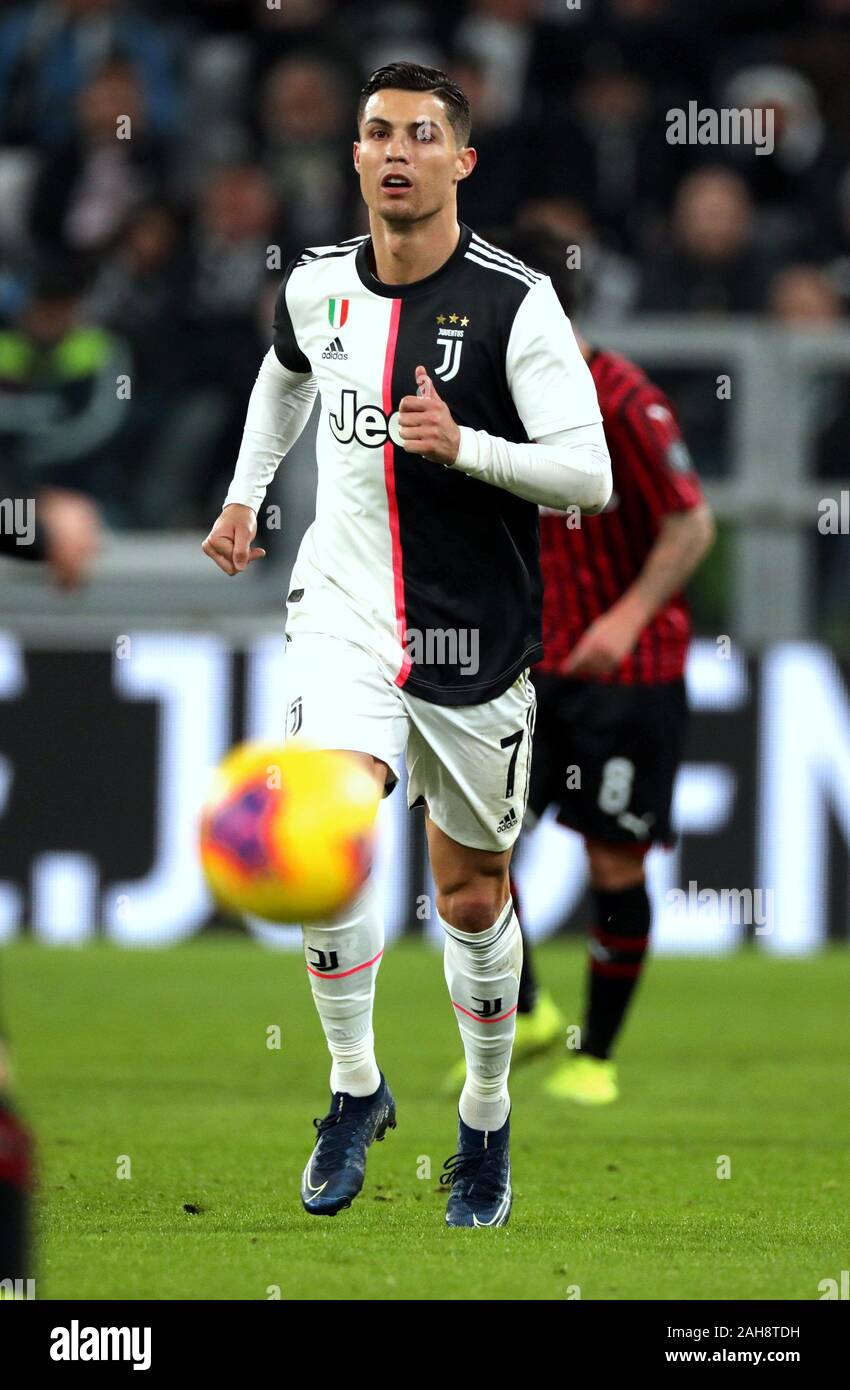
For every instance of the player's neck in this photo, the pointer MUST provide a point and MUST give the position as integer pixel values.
(405, 254)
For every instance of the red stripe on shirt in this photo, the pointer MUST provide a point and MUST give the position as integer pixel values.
(392, 500)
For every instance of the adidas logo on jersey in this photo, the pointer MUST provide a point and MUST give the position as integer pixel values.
(334, 352)
(507, 822)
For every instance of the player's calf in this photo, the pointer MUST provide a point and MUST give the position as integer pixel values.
(482, 972)
(342, 957)
(619, 941)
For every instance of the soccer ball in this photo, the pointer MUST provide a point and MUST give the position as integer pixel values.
(288, 833)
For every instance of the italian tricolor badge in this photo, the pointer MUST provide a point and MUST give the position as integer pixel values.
(338, 312)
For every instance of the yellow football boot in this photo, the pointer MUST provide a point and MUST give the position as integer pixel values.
(584, 1079)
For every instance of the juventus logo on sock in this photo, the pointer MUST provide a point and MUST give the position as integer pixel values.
(491, 1006)
(325, 960)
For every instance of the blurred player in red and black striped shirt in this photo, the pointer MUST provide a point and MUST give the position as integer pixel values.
(611, 697)
(62, 528)
(608, 611)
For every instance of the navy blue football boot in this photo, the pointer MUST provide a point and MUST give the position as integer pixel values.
(480, 1177)
(334, 1175)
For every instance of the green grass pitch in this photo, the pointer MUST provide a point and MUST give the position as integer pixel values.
(161, 1058)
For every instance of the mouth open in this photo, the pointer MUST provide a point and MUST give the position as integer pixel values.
(396, 183)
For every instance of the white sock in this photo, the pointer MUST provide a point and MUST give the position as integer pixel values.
(482, 973)
(343, 956)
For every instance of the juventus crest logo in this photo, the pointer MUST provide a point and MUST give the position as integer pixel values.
(324, 960)
(451, 341)
(490, 1006)
(294, 716)
(452, 348)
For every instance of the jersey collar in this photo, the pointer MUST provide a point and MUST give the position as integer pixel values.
(363, 260)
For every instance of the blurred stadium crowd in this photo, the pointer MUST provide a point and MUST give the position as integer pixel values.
(151, 154)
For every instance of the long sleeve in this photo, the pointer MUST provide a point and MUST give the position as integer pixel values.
(566, 468)
(278, 411)
(555, 397)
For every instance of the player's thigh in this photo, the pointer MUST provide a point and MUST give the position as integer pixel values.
(471, 764)
(628, 744)
(339, 696)
(457, 867)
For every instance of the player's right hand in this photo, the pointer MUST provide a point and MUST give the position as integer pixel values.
(229, 541)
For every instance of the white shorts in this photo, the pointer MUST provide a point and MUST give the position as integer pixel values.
(469, 764)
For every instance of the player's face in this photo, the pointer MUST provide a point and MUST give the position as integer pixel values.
(407, 158)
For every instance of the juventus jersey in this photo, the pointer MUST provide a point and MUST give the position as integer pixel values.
(435, 572)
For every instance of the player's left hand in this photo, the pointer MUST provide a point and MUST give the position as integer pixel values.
(425, 423)
(603, 646)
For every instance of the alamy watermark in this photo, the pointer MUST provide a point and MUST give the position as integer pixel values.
(834, 515)
(831, 1289)
(83, 1343)
(17, 518)
(443, 646)
(740, 907)
(726, 125)
(16, 1289)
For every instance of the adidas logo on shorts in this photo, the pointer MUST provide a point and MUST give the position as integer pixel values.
(334, 352)
(507, 822)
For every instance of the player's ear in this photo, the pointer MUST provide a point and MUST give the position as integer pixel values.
(467, 158)
(356, 153)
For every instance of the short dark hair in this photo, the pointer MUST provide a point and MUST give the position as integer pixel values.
(413, 77)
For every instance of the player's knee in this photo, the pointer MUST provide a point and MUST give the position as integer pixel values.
(473, 905)
(615, 867)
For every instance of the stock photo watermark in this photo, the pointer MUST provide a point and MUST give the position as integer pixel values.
(439, 646)
(741, 907)
(726, 125)
(17, 518)
(834, 515)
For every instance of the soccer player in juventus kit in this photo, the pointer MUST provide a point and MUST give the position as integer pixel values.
(454, 402)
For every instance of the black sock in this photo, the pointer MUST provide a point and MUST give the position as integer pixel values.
(618, 945)
(527, 981)
(15, 1186)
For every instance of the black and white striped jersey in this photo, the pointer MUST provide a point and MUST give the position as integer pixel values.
(420, 563)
